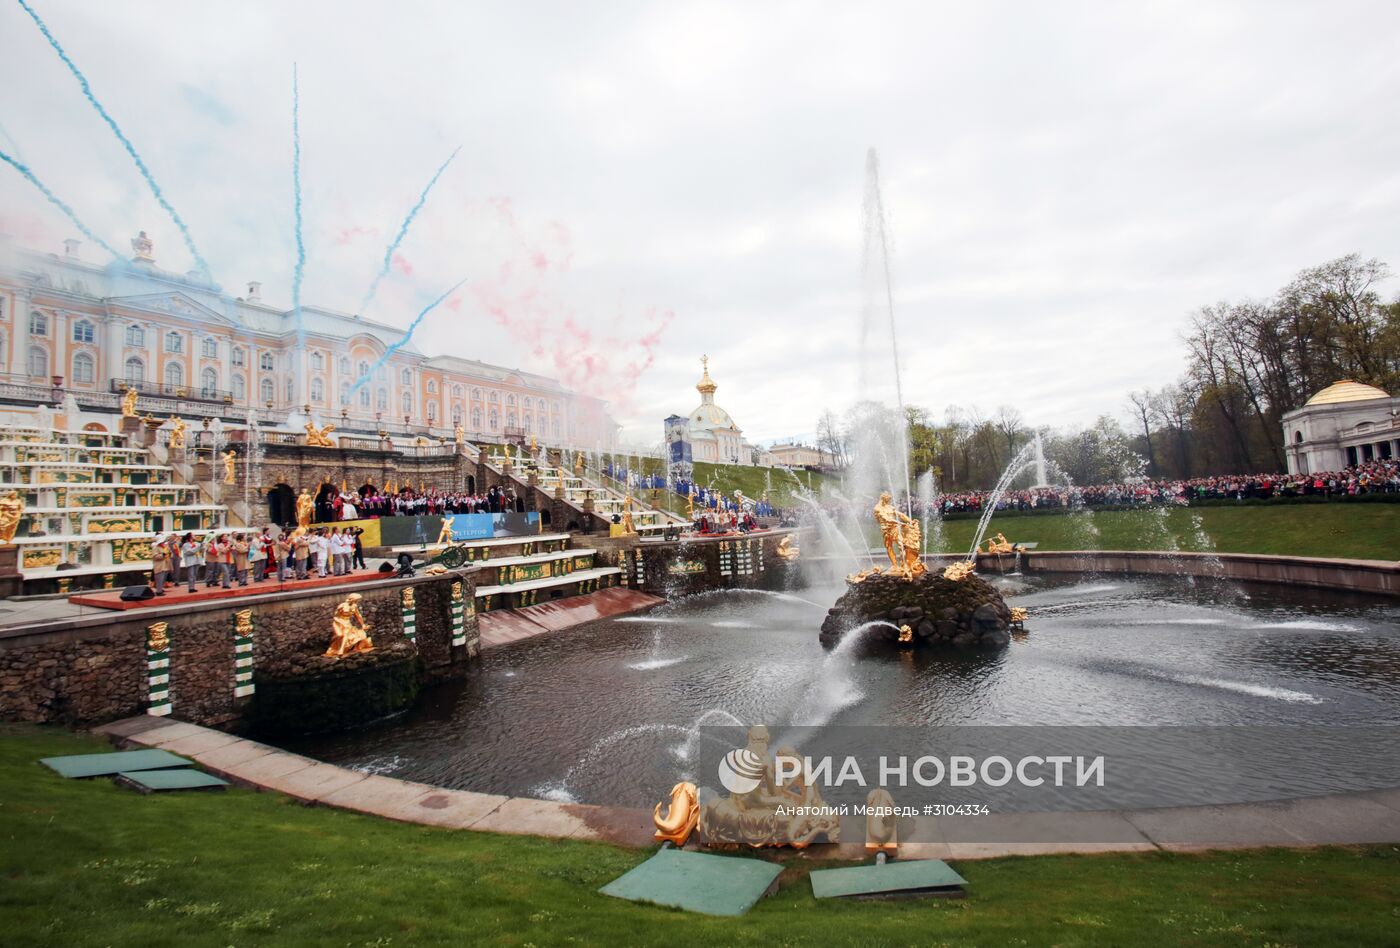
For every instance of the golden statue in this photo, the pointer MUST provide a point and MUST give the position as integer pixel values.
(459, 434)
(690, 503)
(903, 538)
(787, 550)
(509, 459)
(305, 507)
(177, 431)
(348, 630)
(578, 464)
(627, 526)
(319, 437)
(906, 635)
(230, 460)
(11, 510)
(1018, 617)
(129, 403)
(881, 825)
(753, 818)
(445, 534)
(958, 571)
(999, 544)
(677, 825)
(534, 446)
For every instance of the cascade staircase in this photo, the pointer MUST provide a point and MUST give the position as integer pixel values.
(94, 505)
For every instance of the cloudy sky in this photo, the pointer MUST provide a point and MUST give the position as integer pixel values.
(639, 184)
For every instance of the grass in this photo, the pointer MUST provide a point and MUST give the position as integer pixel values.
(1349, 530)
(728, 478)
(86, 863)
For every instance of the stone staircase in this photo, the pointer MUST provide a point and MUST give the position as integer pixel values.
(93, 505)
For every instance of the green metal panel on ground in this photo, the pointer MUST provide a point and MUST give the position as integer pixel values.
(911, 877)
(183, 778)
(104, 765)
(697, 882)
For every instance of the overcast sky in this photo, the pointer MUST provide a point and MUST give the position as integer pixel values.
(639, 184)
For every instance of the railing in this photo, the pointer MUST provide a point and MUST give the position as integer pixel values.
(186, 392)
(15, 390)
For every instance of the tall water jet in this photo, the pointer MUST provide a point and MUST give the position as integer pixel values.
(1023, 460)
(932, 516)
(1041, 480)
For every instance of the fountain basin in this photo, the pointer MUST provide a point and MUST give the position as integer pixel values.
(963, 613)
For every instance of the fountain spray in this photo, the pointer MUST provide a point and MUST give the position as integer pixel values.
(403, 231)
(57, 202)
(121, 137)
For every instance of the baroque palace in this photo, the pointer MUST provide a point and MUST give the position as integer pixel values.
(96, 330)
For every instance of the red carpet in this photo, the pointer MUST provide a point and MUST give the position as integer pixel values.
(175, 595)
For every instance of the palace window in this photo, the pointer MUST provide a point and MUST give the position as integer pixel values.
(318, 390)
(456, 415)
(238, 357)
(529, 425)
(290, 393)
(344, 365)
(510, 401)
(135, 370)
(82, 331)
(476, 394)
(432, 412)
(136, 337)
(344, 393)
(495, 398)
(240, 388)
(38, 324)
(174, 342)
(528, 403)
(265, 389)
(381, 399)
(363, 370)
(318, 361)
(511, 421)
(174, 374)
(209, 348)
(38, 362)
(364, 398)
(476, 419)
(265, 361)
(209, 383)
(495, 420)
(83, 368)
(457, 392)
(556, 427)
(405, 377)
(432, 387)
(406, 403)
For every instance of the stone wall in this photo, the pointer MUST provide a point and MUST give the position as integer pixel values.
(1365, 576)
(686, 567)
(94, 669)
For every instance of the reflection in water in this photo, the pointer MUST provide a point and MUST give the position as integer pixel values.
(611, 712)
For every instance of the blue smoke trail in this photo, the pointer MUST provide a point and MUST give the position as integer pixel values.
(403, 229)
(301, 246)
(360, 382)
(126, 143)
(58, 203)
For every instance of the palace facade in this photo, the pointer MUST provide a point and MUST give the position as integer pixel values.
(85, 327)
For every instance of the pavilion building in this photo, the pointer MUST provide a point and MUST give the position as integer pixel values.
(1345, 424)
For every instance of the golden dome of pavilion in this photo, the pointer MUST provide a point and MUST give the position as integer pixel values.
(707, 385)
(1346, 391)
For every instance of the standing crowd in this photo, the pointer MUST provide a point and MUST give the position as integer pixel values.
(223, 559)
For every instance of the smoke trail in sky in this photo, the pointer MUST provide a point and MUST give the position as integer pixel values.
(403, 229)
(126, 143)
(301, 246)
(408, 334)
(58, 203)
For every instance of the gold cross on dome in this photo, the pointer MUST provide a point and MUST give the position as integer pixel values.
(705, 363)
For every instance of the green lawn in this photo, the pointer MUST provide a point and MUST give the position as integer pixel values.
(1355, 530)
(86, 863)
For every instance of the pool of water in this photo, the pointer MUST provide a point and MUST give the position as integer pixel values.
(614, 711)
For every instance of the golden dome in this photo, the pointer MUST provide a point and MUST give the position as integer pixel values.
(1346, 391)
(707, 385)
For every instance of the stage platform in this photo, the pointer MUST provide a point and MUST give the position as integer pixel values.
(175, 595)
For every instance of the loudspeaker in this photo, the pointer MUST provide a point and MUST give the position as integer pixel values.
(137, 592)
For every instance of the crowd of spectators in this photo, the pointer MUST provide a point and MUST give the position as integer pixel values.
(1380, 476)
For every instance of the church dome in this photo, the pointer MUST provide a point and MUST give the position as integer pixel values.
(711, 415)
(1346, 391)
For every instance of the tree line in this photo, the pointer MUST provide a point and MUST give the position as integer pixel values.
(1247, 364)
